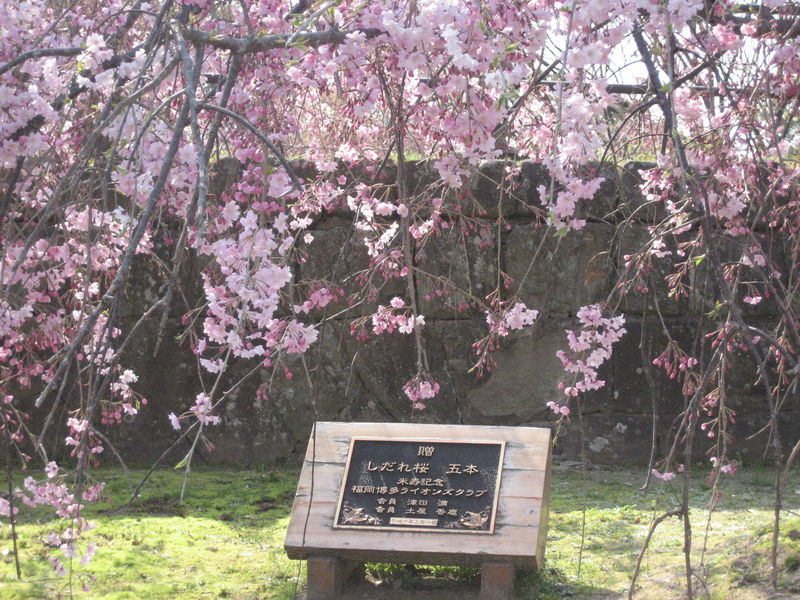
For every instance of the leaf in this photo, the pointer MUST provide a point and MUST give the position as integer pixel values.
(715, 312)
(184, 461)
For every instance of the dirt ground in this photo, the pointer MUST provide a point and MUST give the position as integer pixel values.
(369, 591)
(422, 588)
(456, 591)
(438, 589)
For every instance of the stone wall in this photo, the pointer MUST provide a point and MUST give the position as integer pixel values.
(363, 381)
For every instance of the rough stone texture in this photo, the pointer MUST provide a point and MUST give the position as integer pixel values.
(525, 378)
(606, 200)
(335, 256)
(358, 381)
(632, 200)
(458, 268)
(492, 191)
(568, 273)
(169, 382)
(659, 297)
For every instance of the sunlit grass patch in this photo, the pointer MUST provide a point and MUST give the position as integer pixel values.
(224, 541)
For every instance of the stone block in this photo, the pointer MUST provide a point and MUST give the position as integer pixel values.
(612, 438)
(383, 364)
(381, 184)
(493, 190)
(169, 382)
(603, 205)
(532, 175)
(457, 268)
(631, 364)
(645, 287)
(424, 180)
(632, 202)
(777, 250)
(524, 379)
(558, 276)
(337, 256)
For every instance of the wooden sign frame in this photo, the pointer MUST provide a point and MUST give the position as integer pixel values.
(520, 527)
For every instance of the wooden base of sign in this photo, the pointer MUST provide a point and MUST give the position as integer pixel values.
(497, 581)
(326, 575)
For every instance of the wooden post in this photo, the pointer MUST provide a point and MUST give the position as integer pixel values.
(325, 577)
(497, 581)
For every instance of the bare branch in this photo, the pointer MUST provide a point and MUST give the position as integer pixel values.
(40, 53)
(264, 139)
(312, 39)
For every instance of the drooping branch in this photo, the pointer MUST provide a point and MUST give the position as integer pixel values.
(122, 272)
(264, 140)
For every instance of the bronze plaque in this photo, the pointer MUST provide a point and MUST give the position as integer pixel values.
(420, 485)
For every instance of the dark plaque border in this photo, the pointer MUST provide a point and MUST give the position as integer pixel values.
(354, 515)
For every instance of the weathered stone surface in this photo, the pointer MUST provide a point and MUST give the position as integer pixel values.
(385, 363)
(423, 180)
(612, 438)
(532, 175)
(276, 423)
(381, 180)
(635, 383)
(492, 190)
(651, 293)
(769, 244)
(456, 267)
(567, 273)
(337, 255)
(354, 381)
(168, 381)
(604, 203)
(524, 380)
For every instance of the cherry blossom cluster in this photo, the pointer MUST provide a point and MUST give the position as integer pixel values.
(396, 316)
(420, 387)
(589, 347)
(673, 360)
(517, 316)
(54, 492)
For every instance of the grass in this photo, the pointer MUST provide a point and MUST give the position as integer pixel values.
(226, 541)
